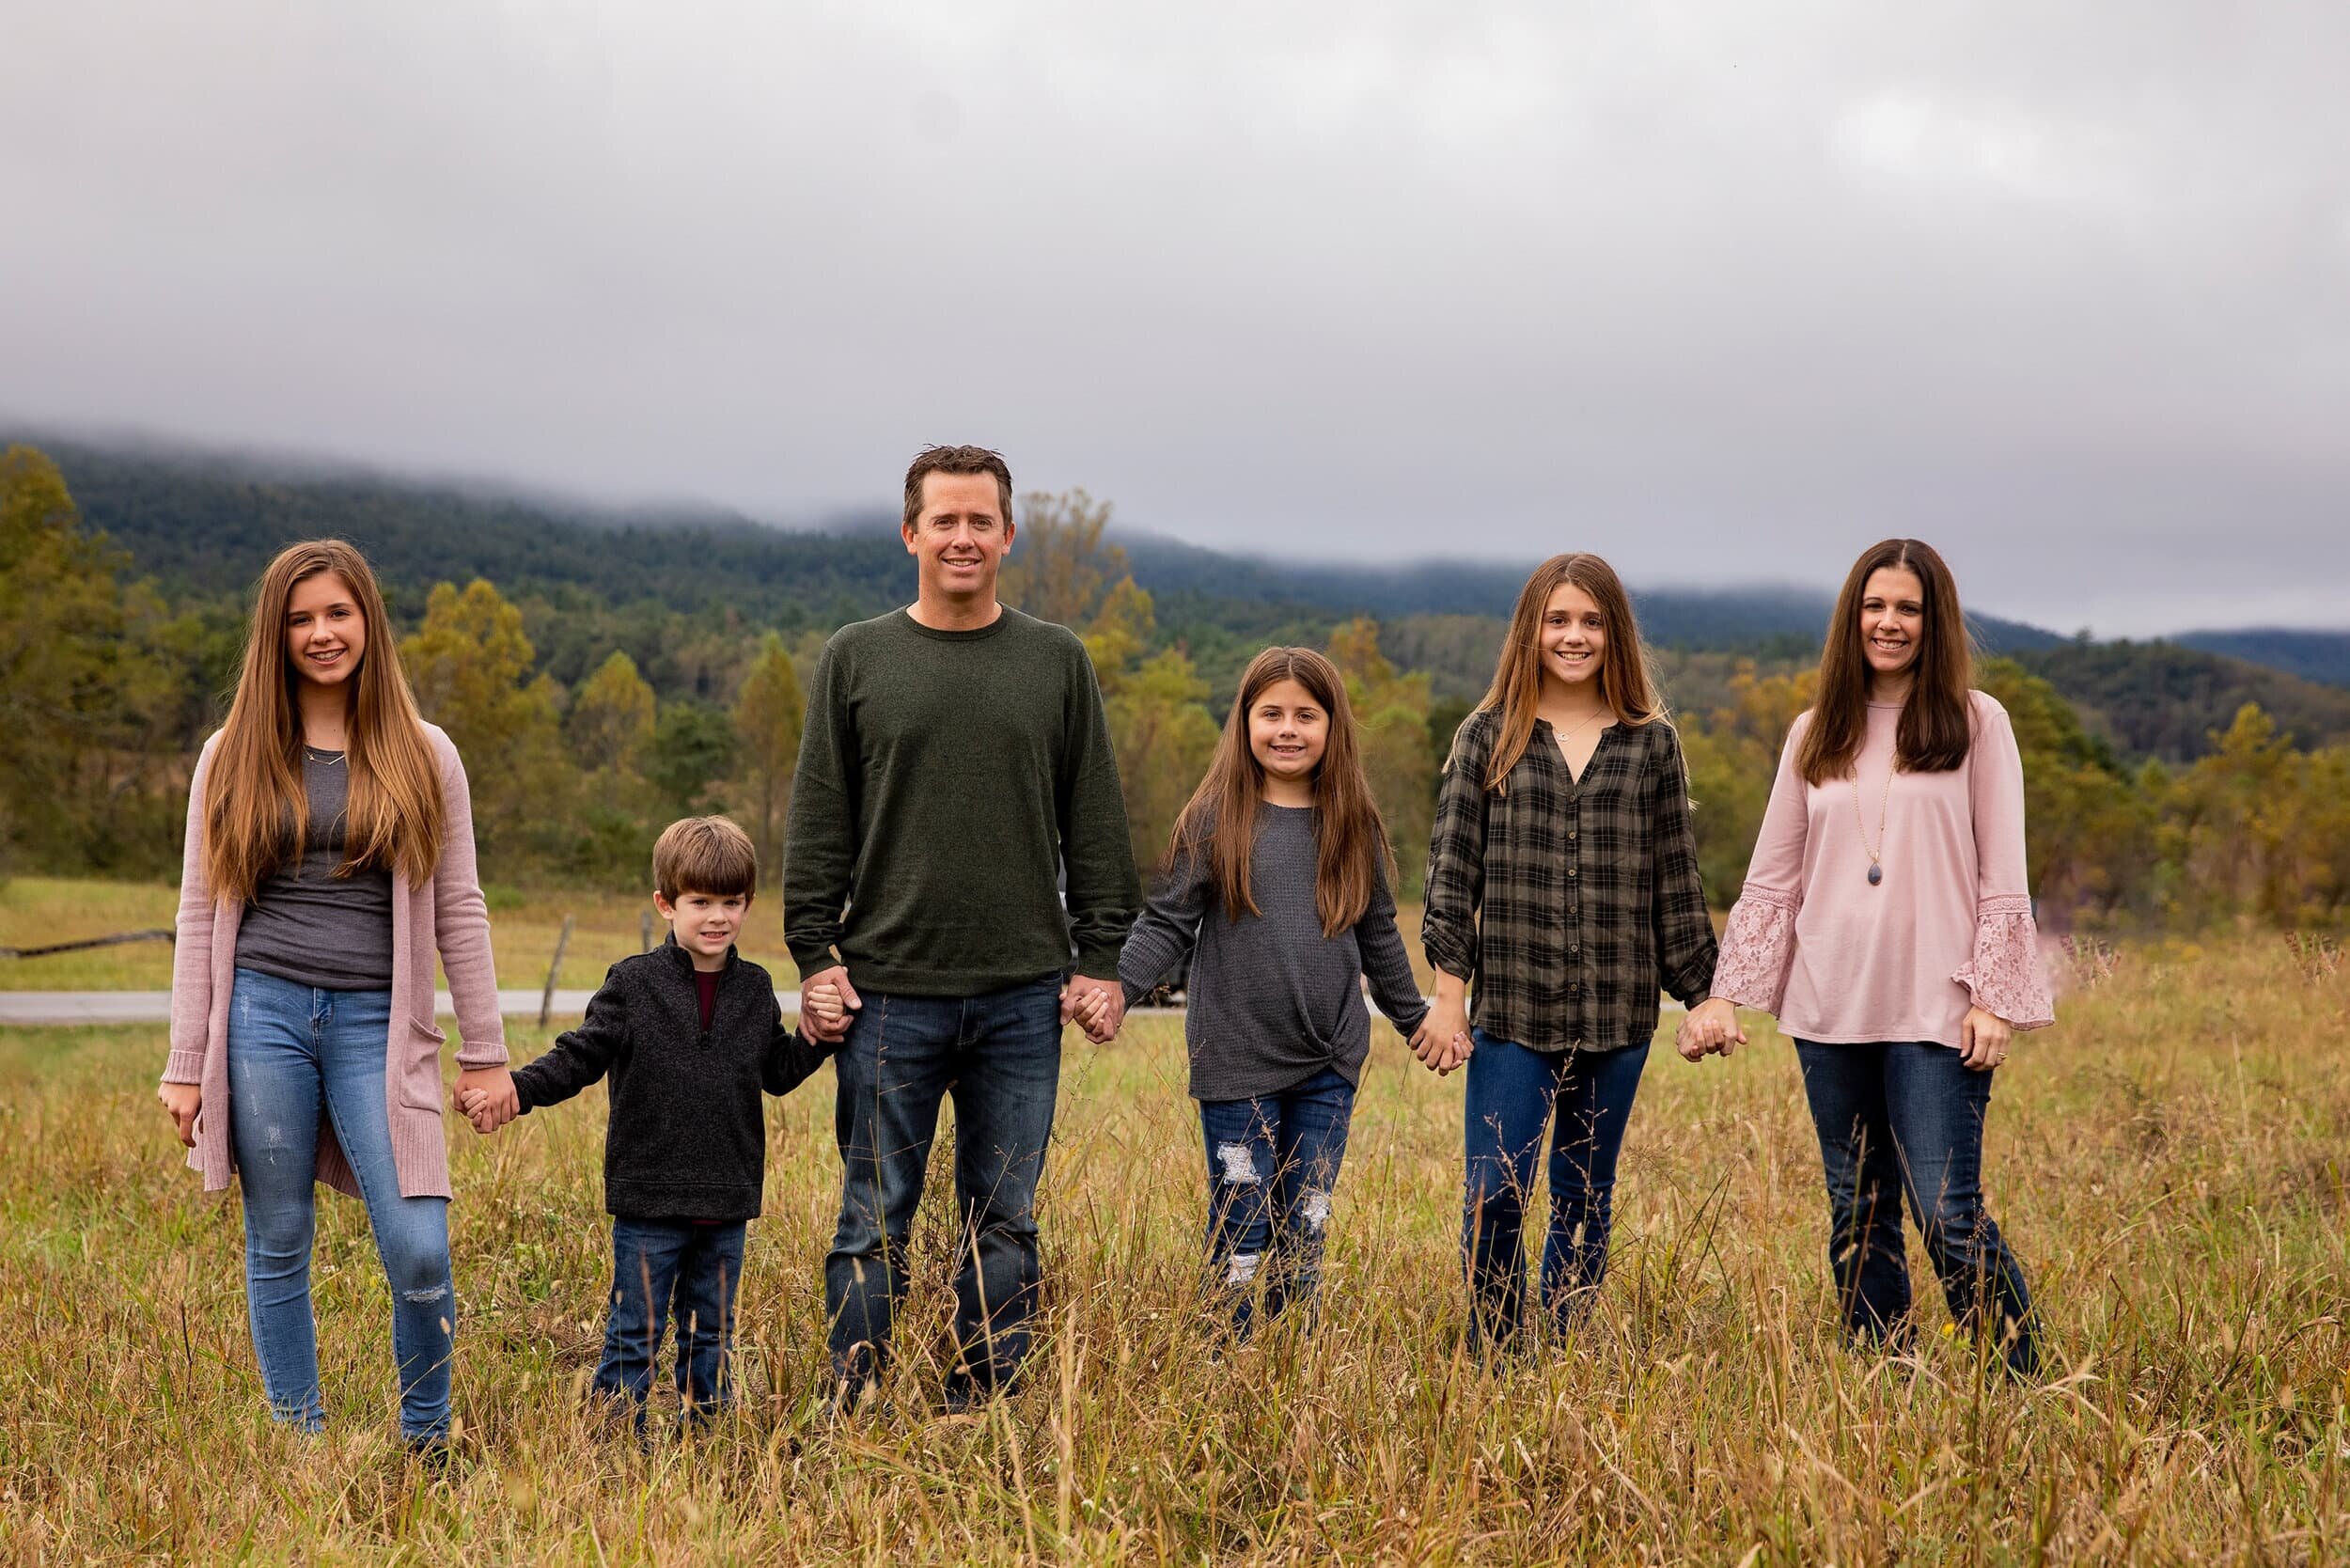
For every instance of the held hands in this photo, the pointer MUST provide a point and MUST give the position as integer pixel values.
(1096, 1006)
(1437, 1055)
(485, 1096)
(1983, 1039)
(182, 1101)
(1442, 1042)
(826, 1002)
(1710, 1025)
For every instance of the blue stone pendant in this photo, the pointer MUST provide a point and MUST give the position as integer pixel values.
(1876, 874)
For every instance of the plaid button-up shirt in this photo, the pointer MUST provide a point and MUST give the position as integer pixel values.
(1568, 903)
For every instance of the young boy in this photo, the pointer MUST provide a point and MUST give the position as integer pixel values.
(691, 1034)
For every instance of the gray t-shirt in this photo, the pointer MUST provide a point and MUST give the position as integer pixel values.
(309, 926)
(1272, 1000)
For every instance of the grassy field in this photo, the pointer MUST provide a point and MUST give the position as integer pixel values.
(2168, 1162)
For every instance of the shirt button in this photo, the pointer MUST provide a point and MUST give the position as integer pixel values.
(1571, 873)
(1571, 836)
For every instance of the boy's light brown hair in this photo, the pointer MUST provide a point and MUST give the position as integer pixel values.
(704, 854)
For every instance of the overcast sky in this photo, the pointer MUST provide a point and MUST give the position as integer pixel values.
(1724, 291)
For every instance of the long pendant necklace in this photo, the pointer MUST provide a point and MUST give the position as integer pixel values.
(1876, 855)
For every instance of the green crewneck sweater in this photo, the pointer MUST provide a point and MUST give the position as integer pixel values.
(944, 778)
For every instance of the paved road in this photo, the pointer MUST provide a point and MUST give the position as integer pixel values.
(154, 1007)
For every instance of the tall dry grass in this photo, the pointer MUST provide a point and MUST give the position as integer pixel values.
(2168, 1162)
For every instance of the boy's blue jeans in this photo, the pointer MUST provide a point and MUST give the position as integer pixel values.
(1273, 1165)
(1582, 1100)
(297, 1054)
(998, 1055)
(665, 1272)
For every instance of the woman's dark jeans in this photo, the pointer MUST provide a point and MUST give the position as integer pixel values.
(1583, 1100)
(1273, 1165)
(1907, 1119)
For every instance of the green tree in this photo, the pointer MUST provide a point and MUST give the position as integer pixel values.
(693, 748)
(768, 715)
(82, 698)
(1391, 714)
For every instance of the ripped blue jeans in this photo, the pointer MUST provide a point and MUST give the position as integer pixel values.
(297, 1056)
(1273, 1166)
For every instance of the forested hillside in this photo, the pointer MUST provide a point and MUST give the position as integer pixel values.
(603, 673)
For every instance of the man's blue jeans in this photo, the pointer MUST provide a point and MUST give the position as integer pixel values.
(1273, 1165)
(1582, 1100)
(998, 1055)
(669, 1271)
(1907, 1118)
(297, 1054)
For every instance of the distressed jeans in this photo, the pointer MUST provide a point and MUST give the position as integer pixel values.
(1899, 1121)
(669, 1271)
(998, 1055)
(297, 1056)
(1582, 1100)
(1273, 1165)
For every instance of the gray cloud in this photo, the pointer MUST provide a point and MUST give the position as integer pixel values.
(1724, 291)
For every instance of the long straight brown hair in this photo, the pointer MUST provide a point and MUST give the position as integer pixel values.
(1220, 819)
(1936, 724)
(1625, 683)
(255, 811)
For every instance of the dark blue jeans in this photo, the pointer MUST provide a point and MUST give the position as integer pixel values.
(1900, 1119)
(666, 1271)
(1583, 1100)
(300, 1057)
(998, 1055)
(1273, 1165)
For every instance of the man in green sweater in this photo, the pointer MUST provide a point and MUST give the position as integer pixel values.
(954, 772)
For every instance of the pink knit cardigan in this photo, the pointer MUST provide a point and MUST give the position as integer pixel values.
(447, 913)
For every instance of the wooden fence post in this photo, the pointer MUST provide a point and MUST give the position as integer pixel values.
(644, 933)
(546, 1000)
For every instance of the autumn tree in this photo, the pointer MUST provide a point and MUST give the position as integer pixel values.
(471, 666)
(1061, 567)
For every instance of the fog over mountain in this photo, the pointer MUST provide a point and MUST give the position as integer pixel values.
(1723, 290)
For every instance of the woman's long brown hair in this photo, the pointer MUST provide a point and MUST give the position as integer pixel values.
(1220, 820)
(255, 811)
(1625, 683)
(1936, 725)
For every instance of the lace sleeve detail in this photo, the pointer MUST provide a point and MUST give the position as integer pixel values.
(1758, 949)
(2004, 975)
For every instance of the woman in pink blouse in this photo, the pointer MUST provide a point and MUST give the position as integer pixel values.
(1885, 922)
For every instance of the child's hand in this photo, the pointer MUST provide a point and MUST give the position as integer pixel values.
(480, 1109)
(821, 1002)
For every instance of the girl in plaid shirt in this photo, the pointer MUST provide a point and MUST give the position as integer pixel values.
(1563, 880)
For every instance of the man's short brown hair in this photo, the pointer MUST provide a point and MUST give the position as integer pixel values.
(704, 854)
(957, 460)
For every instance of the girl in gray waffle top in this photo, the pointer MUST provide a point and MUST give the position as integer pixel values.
(1278, 879)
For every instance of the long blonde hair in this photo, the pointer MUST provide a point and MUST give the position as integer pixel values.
(1625, 683)
(257, 813)
(1220, 820)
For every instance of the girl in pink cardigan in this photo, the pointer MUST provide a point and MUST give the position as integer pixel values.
(1885, 921)
(329, 855)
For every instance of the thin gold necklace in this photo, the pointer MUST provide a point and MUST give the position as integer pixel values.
(1876, 855)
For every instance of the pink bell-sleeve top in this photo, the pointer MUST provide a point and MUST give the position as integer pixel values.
(1842, 962)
